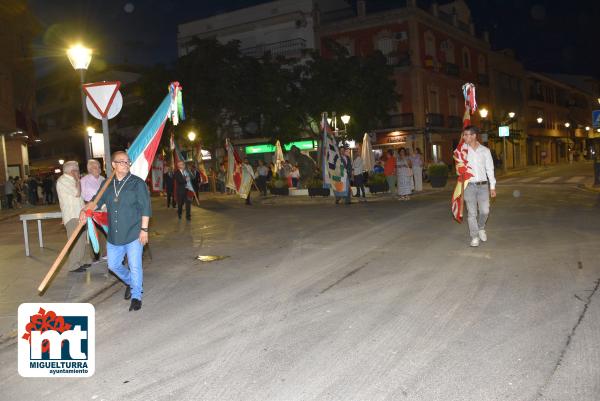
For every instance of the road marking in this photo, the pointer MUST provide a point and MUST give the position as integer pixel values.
(575, 179)
(550, 180)
(511, 179)
(528, 179)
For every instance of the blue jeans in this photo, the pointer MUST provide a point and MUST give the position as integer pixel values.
(132, 276)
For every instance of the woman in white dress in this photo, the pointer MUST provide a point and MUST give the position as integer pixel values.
(404, 171)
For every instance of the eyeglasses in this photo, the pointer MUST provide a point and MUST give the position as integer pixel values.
(123, 162)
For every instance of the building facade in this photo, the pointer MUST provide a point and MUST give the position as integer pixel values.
(17, 88)
(434, 51)
(281, 28)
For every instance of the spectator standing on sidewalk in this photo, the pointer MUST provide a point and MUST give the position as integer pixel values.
(405, 180)
(9, 189)
(417, 166)
(92, 181)
(295, 176)
(358, 168)
(389, 170)
(47, 184)
(263, 174)
(68, 187)
(90, 185)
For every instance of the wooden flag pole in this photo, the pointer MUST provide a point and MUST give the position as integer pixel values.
(55, 266)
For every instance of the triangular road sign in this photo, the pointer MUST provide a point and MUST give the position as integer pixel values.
(102, 95)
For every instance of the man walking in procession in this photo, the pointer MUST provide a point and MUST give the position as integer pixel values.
(183, 185)
(480, 187)
(127, 202)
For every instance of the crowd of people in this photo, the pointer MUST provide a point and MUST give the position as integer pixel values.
(32, 191)
(403, 171)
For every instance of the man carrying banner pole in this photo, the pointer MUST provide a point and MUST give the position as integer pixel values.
(128, 204)
(475, 170)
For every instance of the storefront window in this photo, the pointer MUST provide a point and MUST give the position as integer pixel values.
(436, 152)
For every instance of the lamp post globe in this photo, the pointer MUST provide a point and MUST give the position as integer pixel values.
(483, 112)
(191, 136)
(511, 114)
(345, 119)
(539, 120)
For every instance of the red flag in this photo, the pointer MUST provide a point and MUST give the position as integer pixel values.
(463, 171)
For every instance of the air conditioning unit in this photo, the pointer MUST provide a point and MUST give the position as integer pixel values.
(401, 36)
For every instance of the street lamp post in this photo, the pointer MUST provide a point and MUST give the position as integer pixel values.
(191, 136)
(80, 58)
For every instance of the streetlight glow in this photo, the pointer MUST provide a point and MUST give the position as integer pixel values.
(511, 114)
(61, 161)
(567, 124)
(328, 121)
(539, 120)
(79, 56)
(345, 118)
(91, 130)
(483, 112)
(191, 136)
(587, 128)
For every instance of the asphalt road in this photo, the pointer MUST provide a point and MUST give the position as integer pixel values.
(376, 301)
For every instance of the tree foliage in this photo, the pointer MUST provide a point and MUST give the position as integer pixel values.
(229, 94)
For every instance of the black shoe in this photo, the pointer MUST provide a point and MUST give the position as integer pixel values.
(136, 304)
(81, 268)
(337, 201)
(127, 293)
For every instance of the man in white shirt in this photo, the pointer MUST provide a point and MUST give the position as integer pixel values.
(68, 188)
(480, 187)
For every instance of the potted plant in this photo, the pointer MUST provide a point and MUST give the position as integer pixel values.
(377, 183)
(315, 188)
(278, 186)
(438, 175)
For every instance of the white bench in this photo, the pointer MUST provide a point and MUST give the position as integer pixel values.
(39, 217)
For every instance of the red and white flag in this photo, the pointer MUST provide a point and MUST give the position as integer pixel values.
(463, 170)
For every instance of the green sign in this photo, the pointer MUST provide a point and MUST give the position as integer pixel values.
(268, 148)
(503, 130)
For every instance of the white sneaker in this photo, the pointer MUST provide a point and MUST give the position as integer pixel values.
(482, 235)
(475, 241)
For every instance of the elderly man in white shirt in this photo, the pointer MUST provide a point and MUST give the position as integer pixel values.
(480, 187)
(68, 189)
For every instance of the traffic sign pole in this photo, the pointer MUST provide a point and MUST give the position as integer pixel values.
(107, 158)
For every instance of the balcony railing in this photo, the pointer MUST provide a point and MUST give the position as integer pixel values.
(451, 69)
(396, 59)
(402, 120)
(283, 48)
(435, 120)
(455, 122)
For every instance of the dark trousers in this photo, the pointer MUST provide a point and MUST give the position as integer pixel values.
(248, 199)
(9, 200)
(261, 183)
(170, 199)
(359, 182)
(188, 203)
(49, 197)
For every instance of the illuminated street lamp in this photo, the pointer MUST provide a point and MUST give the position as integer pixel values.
(61, 161)
(483, 112)
(80, 58)
(511, 114)
(539, 120)
(345, 119)
(191, 136)
(587, 128)
(567, 124)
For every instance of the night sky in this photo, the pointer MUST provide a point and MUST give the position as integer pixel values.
(548, 36)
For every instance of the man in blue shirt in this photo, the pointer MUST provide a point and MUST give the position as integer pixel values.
(128, 204)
